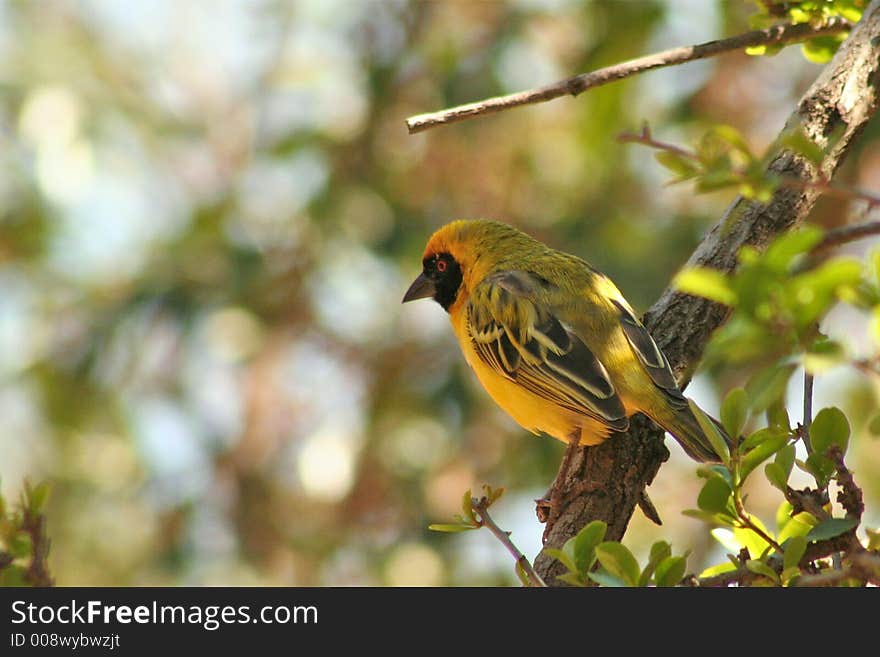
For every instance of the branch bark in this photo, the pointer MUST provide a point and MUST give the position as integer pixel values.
(832, 112)
(778, 34)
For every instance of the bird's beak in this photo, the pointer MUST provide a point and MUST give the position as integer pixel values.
(421, 288)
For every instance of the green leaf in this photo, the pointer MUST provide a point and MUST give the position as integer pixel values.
(37, 497)
(451, 528)
(670, 571)
(735, 411)
(761, 453)
(821, 467)
(784, 250)
(521, 574)
(19, 545)
(619, 561)
(13, 575)
(467, 507)
(659, 551)
(571, 578)
(716, 497)
(873, 539)
(794, 549)
(760, 568)
(492, 494)
(719, 444)
(800, 143)
(800, 525)
(758, 437)
(683, 167)
(831, 528)
(768, 386)
(756, 544)
(563, 557)
(585, 542)
(776, 476)
(820, 50)
(785, 459)
(724, 520)
(718, 569)
(605, 578)
(708, 283)
(813, 292)
(823, 355)
(829, 427)
(730, 136)
(777, 418)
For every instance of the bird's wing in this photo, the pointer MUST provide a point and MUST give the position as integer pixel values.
(518, 337)
(649, 355)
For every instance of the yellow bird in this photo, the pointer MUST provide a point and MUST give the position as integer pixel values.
(551, 339)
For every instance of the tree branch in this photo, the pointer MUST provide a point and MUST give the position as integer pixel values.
(838, 104)
(776, 35)
(480, 507)
(844, 234)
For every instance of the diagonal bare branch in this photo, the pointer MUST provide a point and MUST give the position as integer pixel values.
(776, 35)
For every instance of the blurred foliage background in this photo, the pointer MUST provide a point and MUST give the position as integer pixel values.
(209, 212)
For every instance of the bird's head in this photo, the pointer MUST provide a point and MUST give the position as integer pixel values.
(460, 254)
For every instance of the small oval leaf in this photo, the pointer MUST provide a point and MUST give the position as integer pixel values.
(831, 528)
(619, 561)
(829, 427)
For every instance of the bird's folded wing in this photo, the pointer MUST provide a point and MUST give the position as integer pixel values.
(649, 355)
(518, 337)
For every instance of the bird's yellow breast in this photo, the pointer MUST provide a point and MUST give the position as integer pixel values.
(530, 411)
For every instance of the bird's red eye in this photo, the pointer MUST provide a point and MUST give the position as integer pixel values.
(442, 265)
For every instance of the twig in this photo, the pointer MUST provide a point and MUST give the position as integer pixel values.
(863, 566)
(746, 521)
(38, 571)
(778, 34)
(850, 495)
(646, 139)
(827, 188)
(480, 507)
(846, 234)
(811, 500)
(822, 185)
(808, 411)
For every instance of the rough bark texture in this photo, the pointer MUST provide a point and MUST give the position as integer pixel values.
(833, 113)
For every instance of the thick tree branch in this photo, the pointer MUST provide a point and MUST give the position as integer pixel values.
(776, 35)
(836, 107)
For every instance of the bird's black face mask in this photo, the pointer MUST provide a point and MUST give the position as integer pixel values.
(440, 280)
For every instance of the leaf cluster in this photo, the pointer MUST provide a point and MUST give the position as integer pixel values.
(22, 561)
(815, 12)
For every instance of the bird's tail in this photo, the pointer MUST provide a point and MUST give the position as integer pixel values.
(685, 428)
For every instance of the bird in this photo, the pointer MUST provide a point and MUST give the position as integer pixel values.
(551, 339)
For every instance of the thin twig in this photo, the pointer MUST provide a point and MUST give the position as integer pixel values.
(845, 234)
(776, 35)
(646, 139)
(38, 570)
(828, 188)
(746, 521)
(808, 411)
(480, 507)
(833, 237)
(862, 566)
(822, 185)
